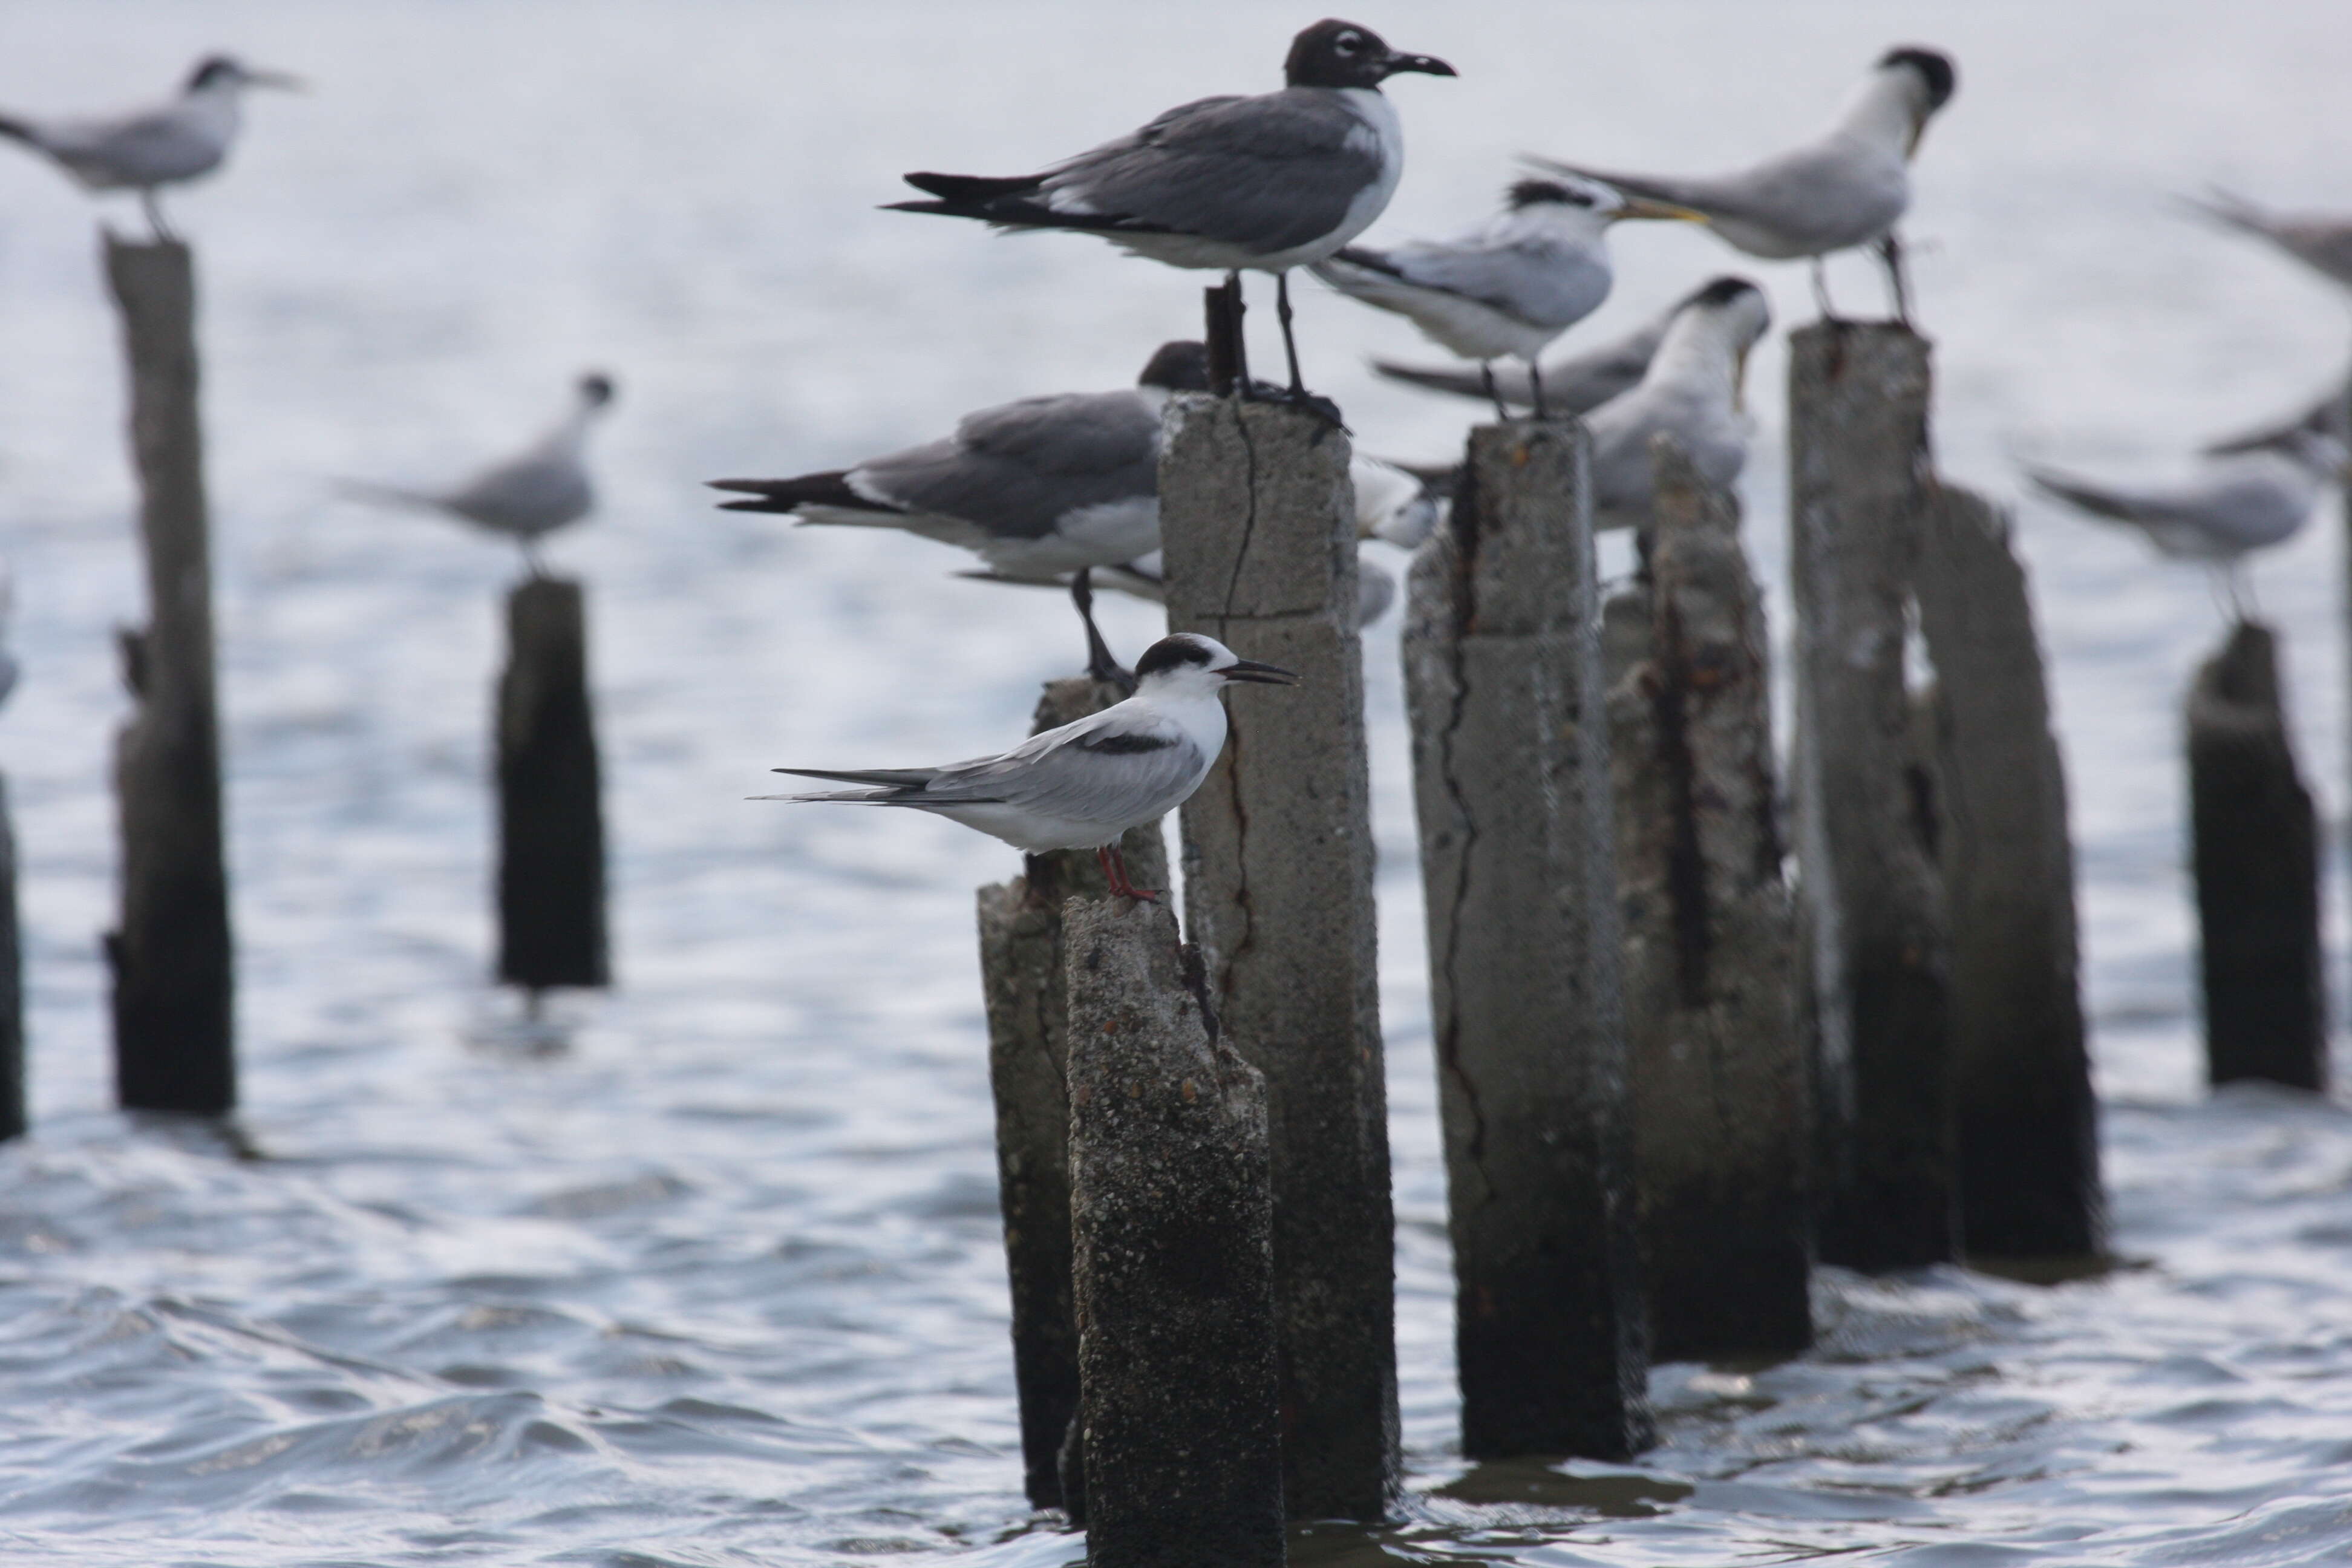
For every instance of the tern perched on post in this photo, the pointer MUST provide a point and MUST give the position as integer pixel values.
(146, 149)
(539, 490)
(1227, 184)
(1509, 287)
(1576, 383)
(1847, 188)
(1691, 392)
(2320, 241)
(1082, 786)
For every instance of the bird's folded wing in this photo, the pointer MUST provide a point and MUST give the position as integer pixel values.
(1029, 468)
(1751, 193)
(1075, 434)
(537, 487)
(1090, 771)
(1270, 172)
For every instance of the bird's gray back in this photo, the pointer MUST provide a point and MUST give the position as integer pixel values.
(528, 495)
(1109, 770)
(175, 142)
(1013, 471)
(1549, 285)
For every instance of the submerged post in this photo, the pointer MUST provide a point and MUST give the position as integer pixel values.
(1719, 1095)
(1022, 964)
(1173, 1210)
(2255, 849)
(1256, 510)
(1886, 1187)
(2027, 1121)
(12, 973)
(1503, 683)
(550, 815)
(175, 1043)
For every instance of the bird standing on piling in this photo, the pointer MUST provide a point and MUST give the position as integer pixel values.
(1848, 187)
(1229, 184)
(1690, 392)
(2321, 241)
(1084, 784)
(539, 490)
(146, 149)
(1509, 287)
(1575, 382)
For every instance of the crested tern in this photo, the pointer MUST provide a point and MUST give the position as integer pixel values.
(161, 144)
(539, 490)
(1227, 183)
(2321, 241)
(1577, 382)
(1691, 392)
(1847, 187)
(1508, 287)
(1082, 786)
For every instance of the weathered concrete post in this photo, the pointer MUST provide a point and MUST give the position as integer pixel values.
(551, 811)
(2255, 849)
(174, 1041)
(1172, 1207)
(1885, 1180)
(12, 982)
(1503, 685)
(1021, 966)
(1255, 509)
(1720, 1097)
(2027, 1120)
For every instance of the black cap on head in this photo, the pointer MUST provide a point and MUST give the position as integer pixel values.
(1723, 291)
(211, 69)
(596, 387)
(1935, 68)
(1173, 652)
(1533, 193)
(1333, 53)
(1180, 366)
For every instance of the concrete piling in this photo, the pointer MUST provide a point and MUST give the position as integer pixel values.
(551, 928)
(1259, 531)
(1719, 1091)
(2026, 1120)
(1886, 1188)
(1022, 964)
(1172, 1213)
(173, 986)
(2255, 847)
(1503, 683)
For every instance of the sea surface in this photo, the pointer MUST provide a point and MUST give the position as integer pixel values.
(708, 1271)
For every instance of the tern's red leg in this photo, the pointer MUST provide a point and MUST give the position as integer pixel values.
(1114, 865)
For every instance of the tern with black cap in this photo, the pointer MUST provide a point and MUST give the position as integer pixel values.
(1690, 392)
(1230, 184)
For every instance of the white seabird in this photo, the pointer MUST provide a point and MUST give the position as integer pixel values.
(2321, 241)
(1691, 392)
(1509, 287)
(1574, 383)
(163, 144)
(1848, 187)
(1228, 183)
(1082, 786)
(539, 490)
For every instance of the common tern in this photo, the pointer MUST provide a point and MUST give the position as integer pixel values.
(1082, 786)
(1575, 382)
(1691, 392)
(539, 490)
(146, 149)
(2321, 241)
(1508, 287)
(1228, 183)
(1848, 187)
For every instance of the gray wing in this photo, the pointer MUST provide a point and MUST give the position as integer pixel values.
(1105, 767)
(1577, 382)
(1832, 192)
(156, 145)
(530, 494)
(1013, 471)
(2226, 511)
(1271, 172)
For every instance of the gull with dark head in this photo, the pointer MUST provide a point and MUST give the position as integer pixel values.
(1847, 187)
(1227, 184)
(531, 494)
(1508, 287)
(1691, 392)
(146, 149)
(1084, 784)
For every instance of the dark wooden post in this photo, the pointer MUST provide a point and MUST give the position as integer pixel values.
(1721, 1108)
(2027, 1119)
(12, 978)
(1256, 510)
(1502, 657)
(1022, 964)
(550, 815)
(1887, 1182)
(2256, 847)
(1172, 1205)
(174, 1040)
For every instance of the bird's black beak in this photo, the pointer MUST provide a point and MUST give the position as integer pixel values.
(1263, 674)
(1428, 65)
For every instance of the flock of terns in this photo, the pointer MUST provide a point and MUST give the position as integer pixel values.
(1059, 489)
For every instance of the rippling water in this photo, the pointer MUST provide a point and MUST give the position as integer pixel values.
(719, 1283)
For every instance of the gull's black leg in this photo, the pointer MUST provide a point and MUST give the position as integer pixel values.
(1821, 290)
(1890, 251)
(1228, 349)
(1535, 380)
(1289, 345)
(1101, 665)
(1494, 394)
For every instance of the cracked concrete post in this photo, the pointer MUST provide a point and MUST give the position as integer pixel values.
(1020, 971)
(1172, 1200)
(2255, 849)
(2027, 1119)
(551, 811)
(1886, 1193)
(173, 960)
(1721, 1110)
(1259, 525)
(1502, 663)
